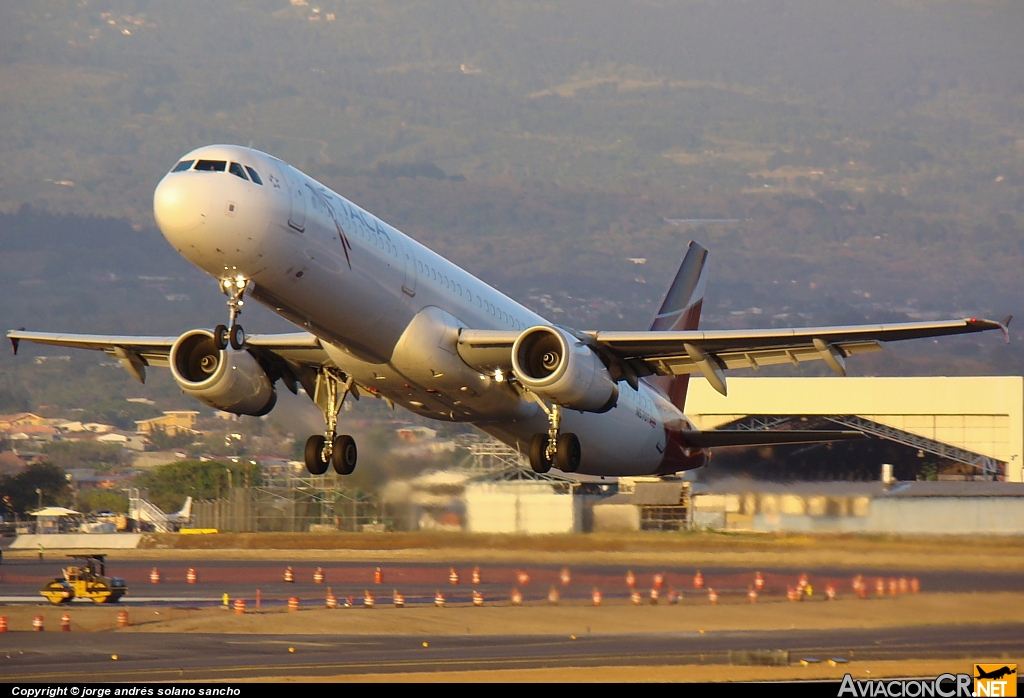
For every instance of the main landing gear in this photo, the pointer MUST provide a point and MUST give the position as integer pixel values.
(233, 334)
(331, 449)
(561, 450)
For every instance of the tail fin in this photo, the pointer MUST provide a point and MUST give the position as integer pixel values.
(681, 311)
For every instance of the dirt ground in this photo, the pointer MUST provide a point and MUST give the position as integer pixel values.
(500, 618)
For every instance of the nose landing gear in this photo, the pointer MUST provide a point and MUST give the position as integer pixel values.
(232, 334)
(332, 386)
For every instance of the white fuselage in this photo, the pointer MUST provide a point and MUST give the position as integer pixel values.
(387, 309)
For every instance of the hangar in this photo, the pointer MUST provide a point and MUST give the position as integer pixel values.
(977, 420)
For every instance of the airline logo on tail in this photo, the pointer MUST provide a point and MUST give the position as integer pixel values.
(681, 311)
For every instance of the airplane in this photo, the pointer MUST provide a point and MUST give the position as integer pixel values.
(381, 315)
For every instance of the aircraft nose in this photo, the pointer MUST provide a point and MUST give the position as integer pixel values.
(179, 205)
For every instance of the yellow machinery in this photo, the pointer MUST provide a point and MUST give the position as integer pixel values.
(86, 582)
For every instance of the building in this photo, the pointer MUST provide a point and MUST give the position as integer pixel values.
(172, 422)
(978, 421)
(948, 508)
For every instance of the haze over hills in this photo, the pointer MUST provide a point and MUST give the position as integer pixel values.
(869, 156)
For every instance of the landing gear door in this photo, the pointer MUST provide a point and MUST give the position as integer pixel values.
(297, 216)
(408, 252)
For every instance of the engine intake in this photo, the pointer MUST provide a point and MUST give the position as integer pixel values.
(228, 380)
(561, 369)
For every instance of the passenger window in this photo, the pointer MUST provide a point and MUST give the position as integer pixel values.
(255, 177)
(211, 165)
(183, 165)
(237, 170)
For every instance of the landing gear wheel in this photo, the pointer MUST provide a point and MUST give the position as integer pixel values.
(568, 454)
(220, 337)
(236, 337)
(315, 462)
(539, 460)
(344, 455)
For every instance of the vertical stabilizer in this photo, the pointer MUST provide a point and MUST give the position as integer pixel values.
(681, 311)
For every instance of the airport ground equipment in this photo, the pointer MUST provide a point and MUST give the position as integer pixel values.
(87, 581)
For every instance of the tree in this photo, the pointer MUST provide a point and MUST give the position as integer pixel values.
(18, 493)
(169, 484)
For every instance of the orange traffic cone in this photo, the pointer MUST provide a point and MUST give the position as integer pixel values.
(122, 619)
(65, 623)
(37, 624)
(564, 577)
(830, 592)
(654, 596)
(553, 596)
(3, 624)
(915, 586)
(673, 597)
(758, 581)
(318, 576)
(398, 599)
(630, 579)
(453, 576)
(904, 585)
(439, 599)
(880, 586)
(752, 595)
(368, 600)
(659, 580)
(289, 576)
(698, 580)
(190, 576)
(240, 606)
(478, 598)
(595, 596)
(893, 586)
(293, 603)
(713, 597)
(476, 575)
(635, 597)
(522, 579)
(154, 576)
(332, 600)
(378, 576)
(517, 597)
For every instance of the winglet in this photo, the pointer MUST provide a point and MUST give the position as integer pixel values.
(15, 341)
(1004, 326)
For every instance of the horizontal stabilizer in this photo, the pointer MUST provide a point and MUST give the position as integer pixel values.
(736, 437)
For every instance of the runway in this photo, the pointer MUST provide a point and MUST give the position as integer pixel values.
(154, 657)
(20, 580)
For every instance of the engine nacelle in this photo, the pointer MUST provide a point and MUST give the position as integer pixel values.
(228, 380)
(561, 369)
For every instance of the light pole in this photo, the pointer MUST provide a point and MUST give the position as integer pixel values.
(39, 491)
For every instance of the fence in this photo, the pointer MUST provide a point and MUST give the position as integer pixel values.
(293, 505)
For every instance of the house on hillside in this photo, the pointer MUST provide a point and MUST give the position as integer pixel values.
(172, 422)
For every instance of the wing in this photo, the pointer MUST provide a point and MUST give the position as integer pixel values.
(712, 352)
(135, 353)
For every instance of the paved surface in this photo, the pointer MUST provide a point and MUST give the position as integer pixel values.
(20, 580)
(149, 657)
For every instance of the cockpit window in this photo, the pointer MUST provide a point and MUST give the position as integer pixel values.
(183, 165)
(211, 165)
(255, 177)
(237, 170)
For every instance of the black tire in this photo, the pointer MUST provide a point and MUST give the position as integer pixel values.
(220, 337)
(236, 337)
(569, 453)
(314, 454)
(344, 455)
(538, 457)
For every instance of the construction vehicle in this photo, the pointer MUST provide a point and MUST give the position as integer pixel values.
(88, 581)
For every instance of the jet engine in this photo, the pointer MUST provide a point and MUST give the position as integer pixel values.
(228, 380)
(561, 369)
